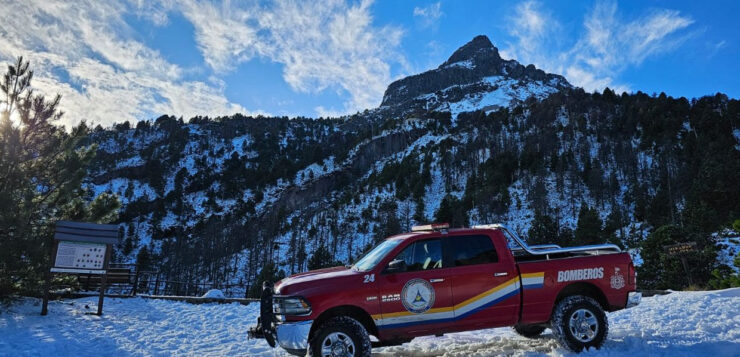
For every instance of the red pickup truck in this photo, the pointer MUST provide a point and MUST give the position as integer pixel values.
(436, 280)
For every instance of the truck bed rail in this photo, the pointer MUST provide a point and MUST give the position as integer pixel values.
(548, 249)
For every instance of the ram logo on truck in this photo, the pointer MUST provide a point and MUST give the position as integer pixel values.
(580, 274)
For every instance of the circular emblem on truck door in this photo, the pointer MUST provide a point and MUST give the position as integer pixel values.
(417, 296)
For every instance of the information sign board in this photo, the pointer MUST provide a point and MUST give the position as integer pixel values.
(680, 248)
(81, 248)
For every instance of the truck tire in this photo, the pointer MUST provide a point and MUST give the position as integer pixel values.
(579, 322)
(529, 331)
(341, 336)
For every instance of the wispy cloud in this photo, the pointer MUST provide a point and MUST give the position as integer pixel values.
(608, 46)
(88, 52)
(714, 47)
(223, 37)
(324, 45)
(429, 15)
(85, 52)
(534, 30)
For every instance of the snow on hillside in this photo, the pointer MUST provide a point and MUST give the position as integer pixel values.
(678, 324)
(501, 92)
(729, 249)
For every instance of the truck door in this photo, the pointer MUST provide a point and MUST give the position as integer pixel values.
(485, 287)
(415, 294)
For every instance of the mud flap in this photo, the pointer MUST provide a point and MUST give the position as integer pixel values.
(266, 322)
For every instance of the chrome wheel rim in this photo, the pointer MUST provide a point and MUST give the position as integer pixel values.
(337, 344)
(583, 325)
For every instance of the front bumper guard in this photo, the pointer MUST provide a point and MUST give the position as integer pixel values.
(290, 335)
(633, 299)
(266, 323)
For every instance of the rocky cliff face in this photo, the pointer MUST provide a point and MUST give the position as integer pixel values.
(473, 72)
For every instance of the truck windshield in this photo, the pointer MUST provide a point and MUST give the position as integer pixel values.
(376, 255)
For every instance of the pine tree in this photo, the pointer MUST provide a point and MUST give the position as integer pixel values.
(388, 222)
(128, 245)
(143, 259)
(301, 255)
(41, 172)
(659, 211)
(268, 274)
(614, 223)
(451, 211)
(321, 259)
(544, 230)
(661, 271)
(419, 211)
(588, 229)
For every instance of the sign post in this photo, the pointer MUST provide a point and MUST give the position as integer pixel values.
(81, 248)
(680, 250)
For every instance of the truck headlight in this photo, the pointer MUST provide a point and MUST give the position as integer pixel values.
(290, 305)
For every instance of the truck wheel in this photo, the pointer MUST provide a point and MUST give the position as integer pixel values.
(529, 331)
(341, 337)
(579, 322)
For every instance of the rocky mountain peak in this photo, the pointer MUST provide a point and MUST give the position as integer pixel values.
(474, 77)
(480, 47)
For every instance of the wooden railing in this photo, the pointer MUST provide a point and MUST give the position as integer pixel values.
(127, 279)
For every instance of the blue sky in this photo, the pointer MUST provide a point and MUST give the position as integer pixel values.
(131, 60)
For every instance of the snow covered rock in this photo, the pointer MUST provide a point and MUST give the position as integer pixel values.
(214, 294)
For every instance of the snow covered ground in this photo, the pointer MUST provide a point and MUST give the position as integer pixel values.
(678, 324)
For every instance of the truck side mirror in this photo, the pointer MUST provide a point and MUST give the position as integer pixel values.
(396, 266)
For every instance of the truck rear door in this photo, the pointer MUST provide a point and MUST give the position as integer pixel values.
(485, 282)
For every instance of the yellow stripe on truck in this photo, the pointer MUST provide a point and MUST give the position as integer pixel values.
(460, 306)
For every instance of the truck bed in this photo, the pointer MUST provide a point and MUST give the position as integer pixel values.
(522, 256)
(605, 275)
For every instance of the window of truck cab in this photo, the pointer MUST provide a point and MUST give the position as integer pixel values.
(422, 255)
(469, 250)
(372, 258)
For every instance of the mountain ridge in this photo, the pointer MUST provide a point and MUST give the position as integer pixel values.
(234, 199)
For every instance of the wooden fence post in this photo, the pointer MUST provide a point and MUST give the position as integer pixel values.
(47, 286)
(103, 286)
(104, 279)
(47, 282)
(136, 280)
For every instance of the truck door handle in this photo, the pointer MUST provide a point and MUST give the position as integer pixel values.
(501, 274)
(436, 280)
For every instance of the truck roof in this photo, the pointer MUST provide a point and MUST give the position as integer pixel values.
(437, 229)
(430, 233)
